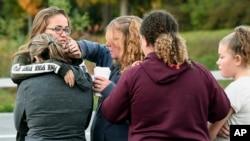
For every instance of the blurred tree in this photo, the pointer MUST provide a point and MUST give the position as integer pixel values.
(225, 17)
(30, 6)
(11, 14)
(63, 4)
(94, 15)
(124, 7)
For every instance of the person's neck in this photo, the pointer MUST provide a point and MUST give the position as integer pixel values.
(149, 50)
(242, 73)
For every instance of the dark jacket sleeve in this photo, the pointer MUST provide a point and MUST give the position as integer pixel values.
(106, 92)
(96, 53)
(82, 78)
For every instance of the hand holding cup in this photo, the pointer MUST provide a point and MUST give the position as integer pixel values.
(101, 78)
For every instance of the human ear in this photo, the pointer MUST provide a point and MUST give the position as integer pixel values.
(238, 59)
(37, 59)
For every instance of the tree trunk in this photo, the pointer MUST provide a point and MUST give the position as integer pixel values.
(123, 7)
(106, 14)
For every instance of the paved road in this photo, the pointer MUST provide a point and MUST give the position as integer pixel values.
(7, 129)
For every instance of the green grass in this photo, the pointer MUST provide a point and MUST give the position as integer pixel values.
(202, 47)
(224, 83)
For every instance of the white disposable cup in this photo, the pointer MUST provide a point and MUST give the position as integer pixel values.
(101, 71)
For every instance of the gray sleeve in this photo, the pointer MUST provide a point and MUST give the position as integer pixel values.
(82, 78)
(20, 119)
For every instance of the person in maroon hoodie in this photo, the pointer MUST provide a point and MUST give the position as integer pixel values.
(168, 96)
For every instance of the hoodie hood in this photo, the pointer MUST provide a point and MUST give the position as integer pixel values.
(159, 72)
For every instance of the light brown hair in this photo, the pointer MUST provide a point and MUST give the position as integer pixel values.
(239, 43)
(39, 25)
(46, 46)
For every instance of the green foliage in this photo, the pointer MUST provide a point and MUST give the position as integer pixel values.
(63, 4)
(10, 29)
(7, 49)
(10, 9)
(79, 19)
(191, 14)
(207, 14)
(79, 22)
(10, 15)
(230, 18)
(7, 99)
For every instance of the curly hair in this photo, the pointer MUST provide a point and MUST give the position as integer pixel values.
(239, 42)
(167, 50)
(130, 44)
(161, 30)
(46, 46)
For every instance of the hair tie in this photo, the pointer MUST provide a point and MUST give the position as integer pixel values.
(50, 42)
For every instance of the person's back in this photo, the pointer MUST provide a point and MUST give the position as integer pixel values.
(167, 96)
(47, 108)
(53, 110)
(173, 105)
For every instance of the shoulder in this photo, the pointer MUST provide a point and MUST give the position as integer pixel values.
(133, 71)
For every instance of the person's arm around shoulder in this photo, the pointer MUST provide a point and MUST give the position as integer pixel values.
(23, 69)
(81, 77)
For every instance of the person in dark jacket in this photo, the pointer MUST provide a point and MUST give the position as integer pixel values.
(51, 20)
(122, 49)
(46, 108)
(167, 96)
(55, 21)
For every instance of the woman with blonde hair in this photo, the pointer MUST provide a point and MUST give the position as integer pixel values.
(122, 49)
